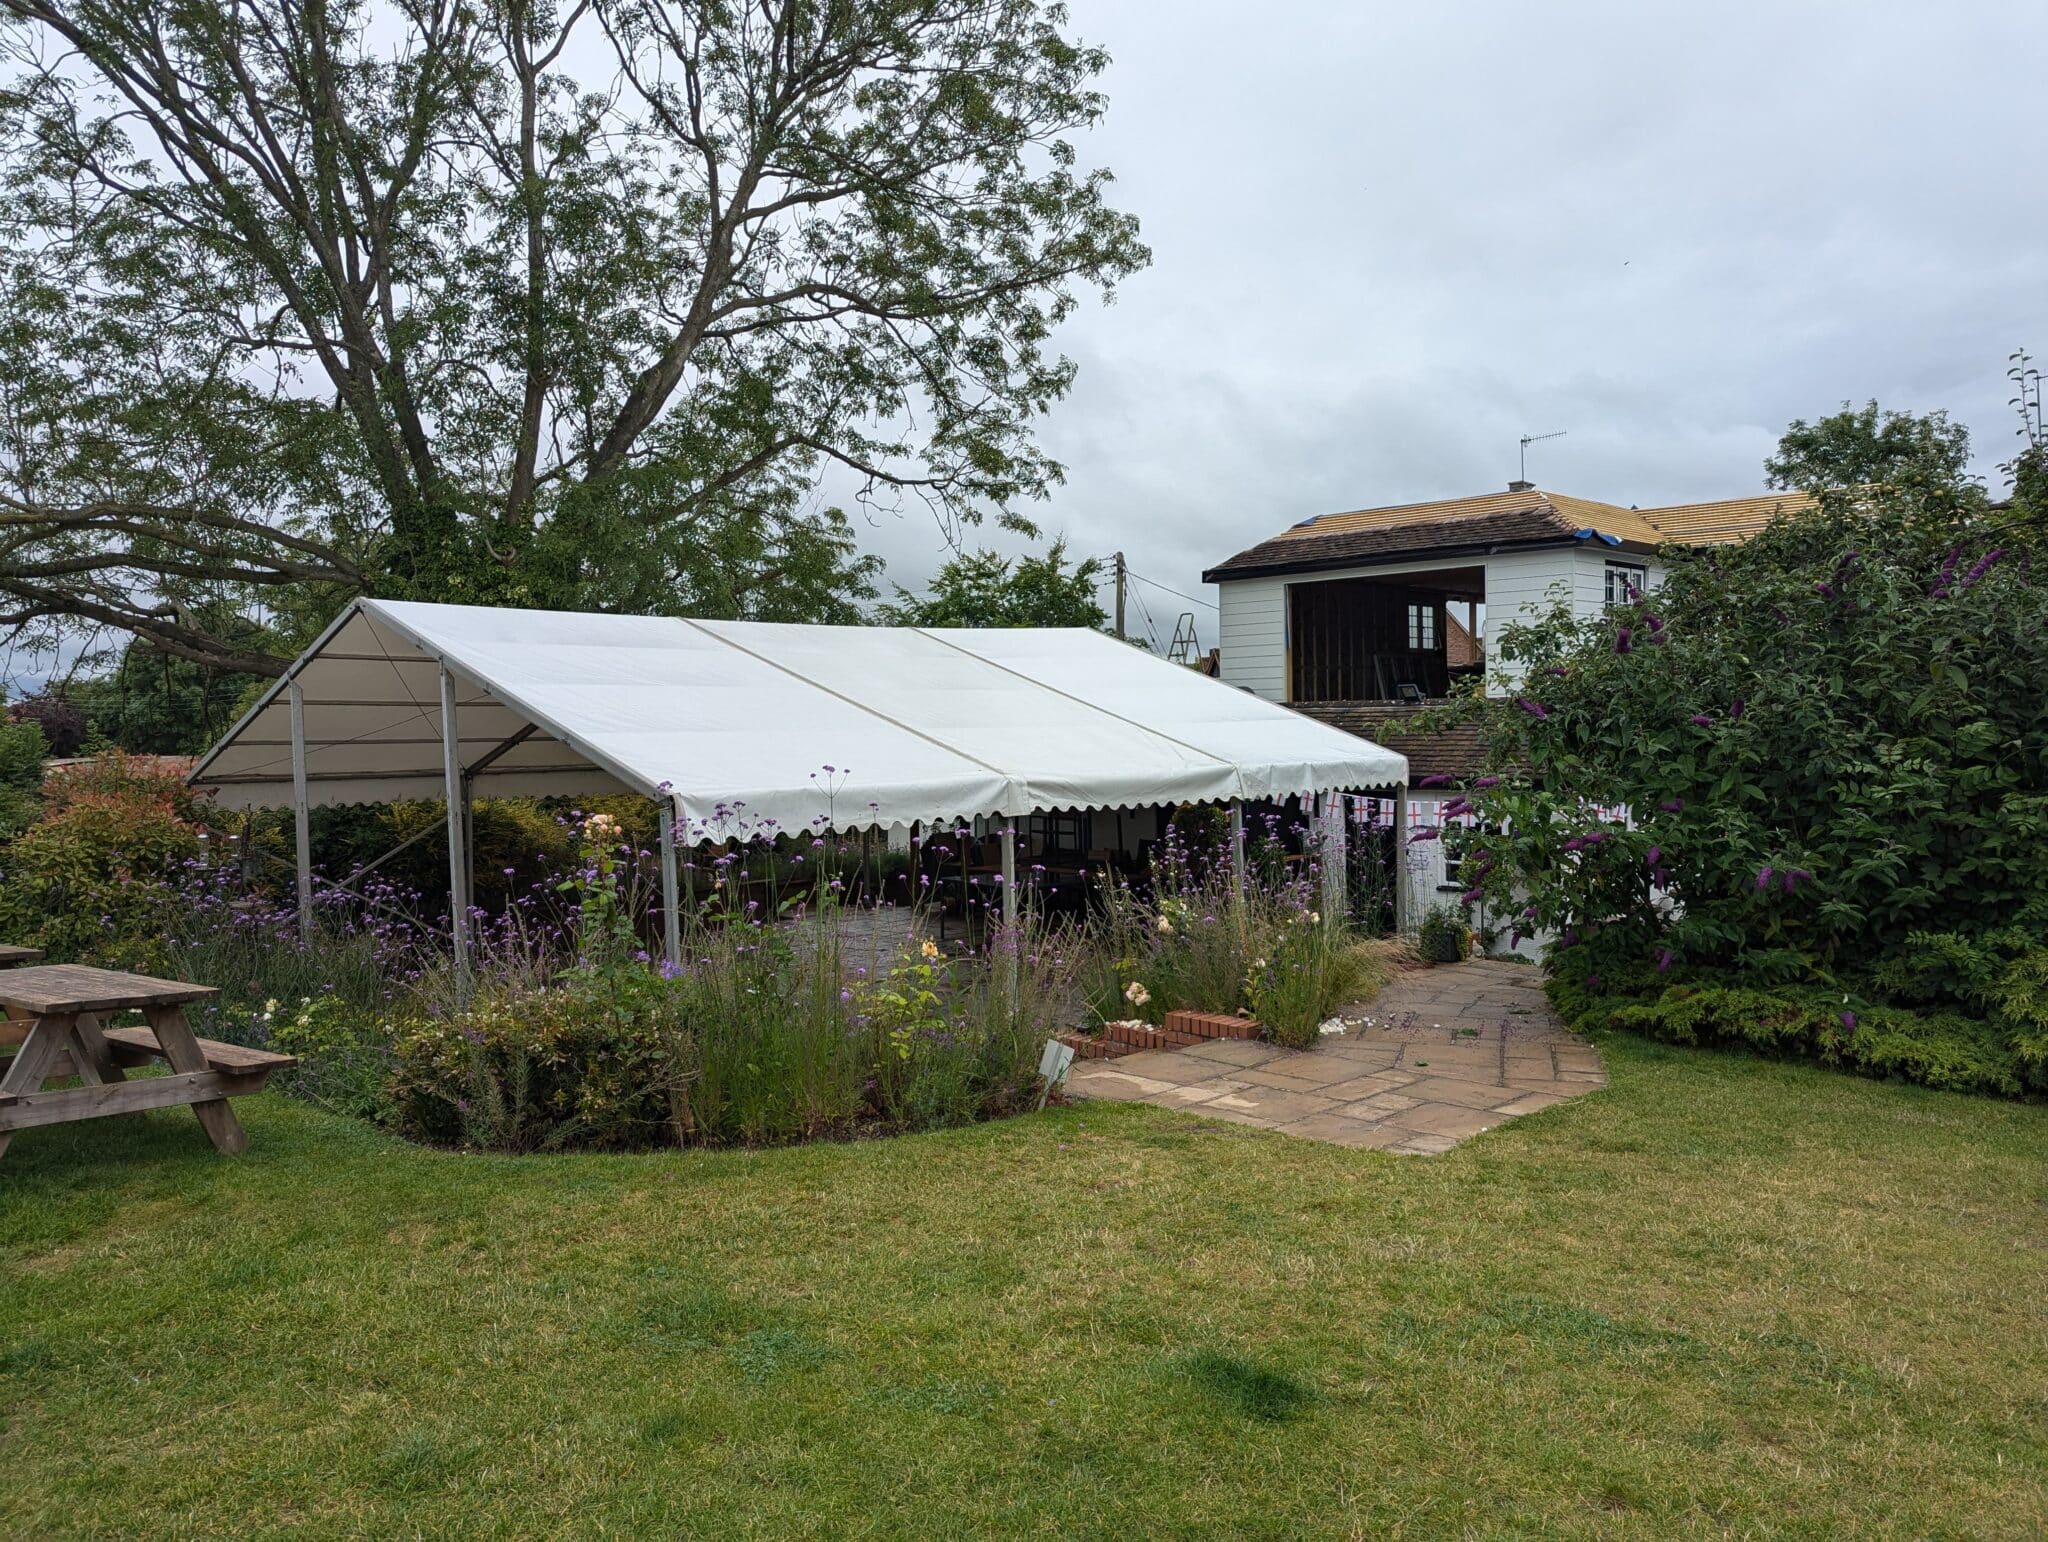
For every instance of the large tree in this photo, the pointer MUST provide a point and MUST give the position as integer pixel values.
(520, 302)
(985, 588)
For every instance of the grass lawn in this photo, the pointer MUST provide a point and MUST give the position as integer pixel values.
(1721, 1296)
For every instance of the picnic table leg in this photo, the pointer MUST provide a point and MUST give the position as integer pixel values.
(182, 1050)
(91, 1055)
(27, 1071)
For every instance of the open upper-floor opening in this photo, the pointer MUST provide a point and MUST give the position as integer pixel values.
(1402, 637)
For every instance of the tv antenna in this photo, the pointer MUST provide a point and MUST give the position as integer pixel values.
(1529, 439)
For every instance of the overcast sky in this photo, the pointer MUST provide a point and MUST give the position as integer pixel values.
(1390, 239)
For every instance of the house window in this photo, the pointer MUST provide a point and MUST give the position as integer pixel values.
(1422, 629)
(1453, 847)
(1626, 581)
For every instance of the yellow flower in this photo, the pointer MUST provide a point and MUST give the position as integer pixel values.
(1164, 926)
(929, 949)
(1136, 994)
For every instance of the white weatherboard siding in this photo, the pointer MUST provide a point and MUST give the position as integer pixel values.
(1425, 877)
(1252, 628)
(1252, 631)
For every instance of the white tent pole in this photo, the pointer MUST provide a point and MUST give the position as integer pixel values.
(1401, 917)
(1335, 854)
(1237, 872)
(458, 854)
(301, 816)
(671, 888)
(1009, 873)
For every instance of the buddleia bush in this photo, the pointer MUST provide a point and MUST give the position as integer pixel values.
(1814, 761)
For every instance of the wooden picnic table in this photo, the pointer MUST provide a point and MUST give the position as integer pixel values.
(62, 1012)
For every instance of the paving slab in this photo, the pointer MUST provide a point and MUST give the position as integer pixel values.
(1441, 1055)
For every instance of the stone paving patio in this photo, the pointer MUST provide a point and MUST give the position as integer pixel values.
(1439, 1055)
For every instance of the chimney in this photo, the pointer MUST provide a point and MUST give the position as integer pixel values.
(1521, 487)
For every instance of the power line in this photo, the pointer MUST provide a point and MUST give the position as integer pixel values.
(1193, 599)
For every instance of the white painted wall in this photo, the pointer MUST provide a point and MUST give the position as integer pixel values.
(1252, 623)
(1251, 628)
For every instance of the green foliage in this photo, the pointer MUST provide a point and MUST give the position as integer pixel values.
(1831, 744)
(1445, 936)
(1311, 968)
(987, 589)
(539, 306)
(1940, 1049)
(88, 882)
(345, 1060)
(584, 1064)
(22, 750)
(1868, 448)
(1197, 939)
(769, 1036)
(152, 703)
(1830, 738)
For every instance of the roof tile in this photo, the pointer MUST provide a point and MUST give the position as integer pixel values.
(1518, 518)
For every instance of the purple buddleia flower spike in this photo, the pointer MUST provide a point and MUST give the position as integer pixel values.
(1621, 641)
(1535, 709)
(1673, 805)
(1763, 876)
(1703, 719)
(1983, 566)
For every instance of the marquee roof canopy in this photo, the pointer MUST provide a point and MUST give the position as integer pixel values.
(758, 726)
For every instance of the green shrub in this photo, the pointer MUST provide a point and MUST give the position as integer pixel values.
(578, 1065)
(345, 1060)
(91, 880)
(1313, 967)
(22, 749)
(1934, 1048)
(1445, 937)
(1828, 742)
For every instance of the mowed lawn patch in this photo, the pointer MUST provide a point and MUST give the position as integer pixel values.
(1722, 1295)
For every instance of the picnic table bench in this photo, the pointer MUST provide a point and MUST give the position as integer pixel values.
(58, 1018)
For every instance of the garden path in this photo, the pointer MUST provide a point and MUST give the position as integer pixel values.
(1439, 1055)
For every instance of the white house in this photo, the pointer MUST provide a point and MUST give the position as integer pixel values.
(1363, 619)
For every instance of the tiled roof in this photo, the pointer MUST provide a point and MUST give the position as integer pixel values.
(1458, 751)
(1528, 517)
